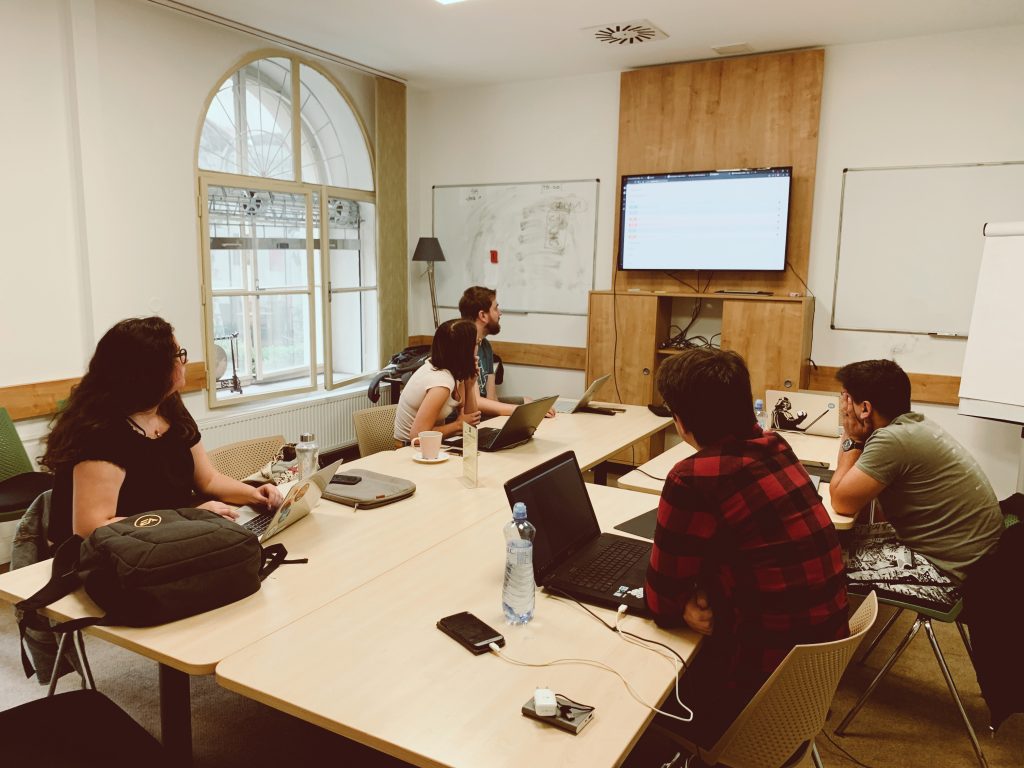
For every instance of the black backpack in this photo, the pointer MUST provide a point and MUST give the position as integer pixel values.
(153, 568)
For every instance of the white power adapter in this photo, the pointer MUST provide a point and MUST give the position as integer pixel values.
(544, 702)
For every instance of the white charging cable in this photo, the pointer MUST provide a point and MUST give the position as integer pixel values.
(676, 665)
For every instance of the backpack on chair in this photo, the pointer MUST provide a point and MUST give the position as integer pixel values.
(154, 568)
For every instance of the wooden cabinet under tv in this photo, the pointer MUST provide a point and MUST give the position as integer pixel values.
(626, 330)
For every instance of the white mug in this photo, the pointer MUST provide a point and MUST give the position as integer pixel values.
(429, 443)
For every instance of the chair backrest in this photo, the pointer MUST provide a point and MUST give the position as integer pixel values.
(14, 459)
(246, 457)
(790, 708)
(375, 429)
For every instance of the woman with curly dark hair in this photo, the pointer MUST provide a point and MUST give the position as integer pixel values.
(126, 444)
(444, 385)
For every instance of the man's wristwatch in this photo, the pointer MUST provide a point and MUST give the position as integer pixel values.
(849, 444)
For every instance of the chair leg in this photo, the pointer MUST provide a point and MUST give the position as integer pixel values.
(815, 757)
(880, 634)
(878, 678)
(967, 640)
(952, 689)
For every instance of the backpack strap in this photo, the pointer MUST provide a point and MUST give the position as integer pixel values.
(273, 556)
(63, 581)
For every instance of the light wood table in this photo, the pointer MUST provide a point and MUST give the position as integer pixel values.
(650, 477)
(346, 549)
(373, 667)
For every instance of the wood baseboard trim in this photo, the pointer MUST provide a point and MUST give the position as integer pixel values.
(924, 387)
(33, 401)
(541, 355)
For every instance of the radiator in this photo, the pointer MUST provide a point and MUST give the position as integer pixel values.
(330, 419)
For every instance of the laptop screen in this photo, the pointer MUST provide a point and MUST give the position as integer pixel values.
(558, 505)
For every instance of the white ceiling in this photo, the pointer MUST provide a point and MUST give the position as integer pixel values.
(480, 42)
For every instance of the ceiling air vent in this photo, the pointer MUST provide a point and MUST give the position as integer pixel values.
(626, 33)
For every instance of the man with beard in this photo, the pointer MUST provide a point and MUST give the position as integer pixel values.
(480, 305)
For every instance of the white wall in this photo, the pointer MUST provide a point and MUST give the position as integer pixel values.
(546, 130)
(99, 201)
(940, 99)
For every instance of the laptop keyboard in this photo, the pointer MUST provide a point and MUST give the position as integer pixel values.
(602, 572)
(259, 524)
(486, 435)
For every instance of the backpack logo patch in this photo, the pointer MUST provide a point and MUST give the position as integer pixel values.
(148, 521)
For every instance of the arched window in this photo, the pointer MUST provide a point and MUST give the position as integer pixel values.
(287, 304)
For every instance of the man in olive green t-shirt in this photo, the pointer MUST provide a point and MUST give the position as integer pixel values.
(933, 493)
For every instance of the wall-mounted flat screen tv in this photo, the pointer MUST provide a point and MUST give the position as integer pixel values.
(707, 220)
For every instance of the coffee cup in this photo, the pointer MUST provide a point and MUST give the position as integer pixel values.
(429, 443)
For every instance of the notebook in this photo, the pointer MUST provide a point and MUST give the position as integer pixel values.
(568, 405)
(297, 503)
(570, 554)
(518, 429)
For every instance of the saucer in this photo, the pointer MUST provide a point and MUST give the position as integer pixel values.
(441, 457)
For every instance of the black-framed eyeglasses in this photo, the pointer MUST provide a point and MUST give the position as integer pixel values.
(182, 355)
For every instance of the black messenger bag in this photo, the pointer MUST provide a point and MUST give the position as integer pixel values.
(154, 568)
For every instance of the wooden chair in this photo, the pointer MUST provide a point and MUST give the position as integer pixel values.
(246, 457)
(778, 726)
(375, 429)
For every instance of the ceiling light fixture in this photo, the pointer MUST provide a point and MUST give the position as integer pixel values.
(733, 49)
(447, 2)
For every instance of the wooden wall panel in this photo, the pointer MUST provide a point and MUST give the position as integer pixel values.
(738, 112)
(924, 387)
(542, 355)
(30, 401)
(392, 218)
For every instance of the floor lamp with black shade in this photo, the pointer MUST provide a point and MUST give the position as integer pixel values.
(428, 249)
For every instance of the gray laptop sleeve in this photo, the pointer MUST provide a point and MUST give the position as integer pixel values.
(374, 490)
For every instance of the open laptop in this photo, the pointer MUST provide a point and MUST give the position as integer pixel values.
(297, 503)
(568, 405)
(518, 429)
(570, 554)
(815, 413)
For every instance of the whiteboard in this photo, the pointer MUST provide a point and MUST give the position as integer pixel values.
(910, 243)
(534, 243)
(991, 381)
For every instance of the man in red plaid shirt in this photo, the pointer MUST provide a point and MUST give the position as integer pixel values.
(744, 551)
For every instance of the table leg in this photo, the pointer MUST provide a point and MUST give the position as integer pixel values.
(176, 715)
(601, 473)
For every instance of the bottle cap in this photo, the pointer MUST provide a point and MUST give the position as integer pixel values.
(758, 404)
(307, 437)
(519, 511)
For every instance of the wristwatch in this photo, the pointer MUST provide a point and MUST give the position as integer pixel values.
(849, 444)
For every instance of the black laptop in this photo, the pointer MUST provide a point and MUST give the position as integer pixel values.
(518, 429)
(570, 554)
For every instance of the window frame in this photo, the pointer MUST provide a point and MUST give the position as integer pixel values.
(320, 193)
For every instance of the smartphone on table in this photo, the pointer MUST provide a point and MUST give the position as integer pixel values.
(470, 632)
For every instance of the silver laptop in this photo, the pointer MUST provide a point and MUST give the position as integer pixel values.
(297, 503)
(568, 405)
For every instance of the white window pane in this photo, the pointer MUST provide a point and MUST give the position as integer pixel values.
(353, 251)
(354, 341)
(334, 151)
(283, 336)
(232, 359)
(371, 333)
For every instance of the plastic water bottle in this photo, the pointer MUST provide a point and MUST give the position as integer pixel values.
(517, 593)
(760, 415)
(307, 452)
